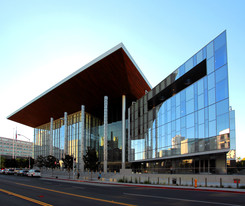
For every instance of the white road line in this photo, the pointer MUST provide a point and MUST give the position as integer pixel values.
(169, 198)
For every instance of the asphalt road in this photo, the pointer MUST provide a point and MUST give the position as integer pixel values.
(37, 191)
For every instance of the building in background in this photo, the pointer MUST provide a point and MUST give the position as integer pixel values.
(10, 148)
(183, 123)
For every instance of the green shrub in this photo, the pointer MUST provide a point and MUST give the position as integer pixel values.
(147, 182)
(120, 180)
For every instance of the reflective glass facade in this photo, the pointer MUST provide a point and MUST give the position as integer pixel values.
(188, 112)
(94, 138)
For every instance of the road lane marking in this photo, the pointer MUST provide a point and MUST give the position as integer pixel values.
(75, 195)
(169, 198)
(25, 198)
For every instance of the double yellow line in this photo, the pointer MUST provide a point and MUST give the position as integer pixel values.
(75, 195)
(25, 198)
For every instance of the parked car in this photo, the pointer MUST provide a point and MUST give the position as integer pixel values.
(25, 172)
(16, 170)
(2, 171)
(6, 171)
(34, 173)
(10, 172)
(22, 172)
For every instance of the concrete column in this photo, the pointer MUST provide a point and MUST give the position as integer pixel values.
(129, 139)
(123, 130)
(66, 134)
(208, 166)
(82, 136)
(51, 136)
(105, 132)
(156, 134)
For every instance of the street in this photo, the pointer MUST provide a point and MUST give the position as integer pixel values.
(37, 191)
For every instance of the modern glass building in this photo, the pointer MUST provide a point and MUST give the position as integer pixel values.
(183, 123)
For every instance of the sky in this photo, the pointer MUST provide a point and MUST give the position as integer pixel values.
(42, 42)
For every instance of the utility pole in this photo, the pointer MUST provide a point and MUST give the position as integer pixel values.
(29, 145)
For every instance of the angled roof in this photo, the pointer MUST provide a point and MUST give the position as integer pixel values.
(112, 74)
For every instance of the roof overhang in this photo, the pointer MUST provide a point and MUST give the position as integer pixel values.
(112, 74)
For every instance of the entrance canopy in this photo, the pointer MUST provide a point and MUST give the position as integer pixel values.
(112, 74)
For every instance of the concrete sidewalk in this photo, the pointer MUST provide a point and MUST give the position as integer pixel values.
(105, 181)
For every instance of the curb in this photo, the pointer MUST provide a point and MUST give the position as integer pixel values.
(151, 186)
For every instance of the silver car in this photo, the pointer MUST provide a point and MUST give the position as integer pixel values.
(34, 173)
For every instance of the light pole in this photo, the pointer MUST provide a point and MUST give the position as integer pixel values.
(29, 155)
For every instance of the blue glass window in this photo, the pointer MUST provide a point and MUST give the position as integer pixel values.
(206, 126)
(212, 113)
(190, 133)
(190, 92)
(201, 101)
(178, 125)
(173, 114)
(211, 81)
(221, 74)
(220, 50)
(210, 65)
(211, 96)
(173, 126)
(169, 116)
(183, 132)
(194, 60)
(189, 65)
(177, 112)
(182, 103)
(212, 128)
(168, 104)
(201, 131)
(222, 122)
(204, 52)
(222, 90)
(182, 122)
(220, 41)
(206, 98)
(222, 107)
(177, 74)
(177, 99)
(201, 116)
(200, 86)
(195, 97)
(190, 120)
(199, 57)
(182, 70)
(210, 50)
(190, 106)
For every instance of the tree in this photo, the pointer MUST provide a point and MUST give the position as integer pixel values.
(51, 162)
(10, 163)
(91, 161)
(40, 161)
(68, 163)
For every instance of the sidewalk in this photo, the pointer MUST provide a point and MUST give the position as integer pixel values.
(109, 181)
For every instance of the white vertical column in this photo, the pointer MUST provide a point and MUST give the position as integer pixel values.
(105, 132)
(123, 130)
(129, 140)
(66, 134)
(51, 136)
(156, 135)
(82, 135)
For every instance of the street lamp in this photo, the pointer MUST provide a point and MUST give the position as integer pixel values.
(29, 155)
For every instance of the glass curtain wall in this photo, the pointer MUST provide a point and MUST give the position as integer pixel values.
(94, 138)
(196, 119)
